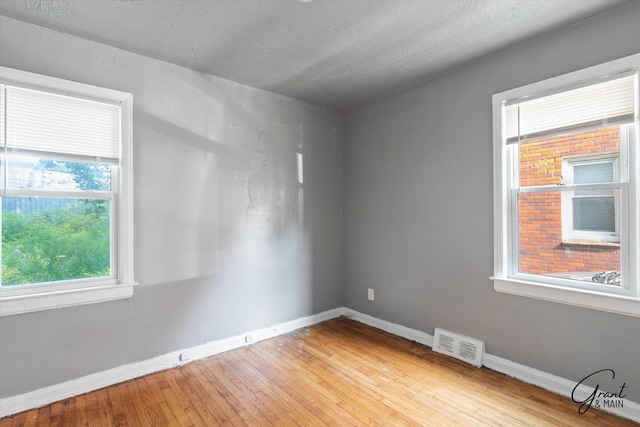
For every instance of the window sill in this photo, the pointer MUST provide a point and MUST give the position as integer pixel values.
(628, 306)
(591, 243)
(68, 298)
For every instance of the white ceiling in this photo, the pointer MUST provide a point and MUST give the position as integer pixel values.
(337, 53)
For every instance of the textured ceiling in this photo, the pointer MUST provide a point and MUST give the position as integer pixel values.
(337, 53)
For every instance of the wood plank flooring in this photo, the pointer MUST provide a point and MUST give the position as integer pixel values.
(337, 373)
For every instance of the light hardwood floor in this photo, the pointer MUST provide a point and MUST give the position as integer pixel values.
(337, 373)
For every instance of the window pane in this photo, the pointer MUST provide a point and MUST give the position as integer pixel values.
(541, 160)
(47, 239)
(595, 172)
(45, 174)
(542, 250)
(594, 214)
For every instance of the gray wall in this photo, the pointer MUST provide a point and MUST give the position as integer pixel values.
(225, 239)
(226, 242)
(419, 219)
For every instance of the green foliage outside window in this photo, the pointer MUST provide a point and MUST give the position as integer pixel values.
(46, 240)
(88, 176)
(56, 243)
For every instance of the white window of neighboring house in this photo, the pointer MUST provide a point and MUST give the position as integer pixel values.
(66, 190)
(591, 215)
(566, 184)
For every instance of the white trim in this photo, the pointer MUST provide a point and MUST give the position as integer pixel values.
(44, 396)
(506, 187)
(60, 86)
(125, 222)
(568, 166)
(612, 303)
(565, 81)
(392, 328)
(553, 383)
(47, 300)
(50, 295)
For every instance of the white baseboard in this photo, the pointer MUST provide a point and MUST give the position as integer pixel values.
(553, 383)
(44, 396)
(392, 328)
(556, 384)
(35, 399)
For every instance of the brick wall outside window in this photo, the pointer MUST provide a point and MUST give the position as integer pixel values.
(542, 249)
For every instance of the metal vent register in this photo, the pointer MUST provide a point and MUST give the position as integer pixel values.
(467, 349)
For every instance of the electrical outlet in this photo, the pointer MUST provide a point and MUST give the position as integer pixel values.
(248, 339)
(370, 294)
(184, 356)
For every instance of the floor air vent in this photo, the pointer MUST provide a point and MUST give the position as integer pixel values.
(467, 349)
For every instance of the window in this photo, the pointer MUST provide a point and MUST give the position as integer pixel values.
(66, 193)
(590, 216)
(566, 188)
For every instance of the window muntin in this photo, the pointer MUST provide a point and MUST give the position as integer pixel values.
(66, 185)
(589, 195)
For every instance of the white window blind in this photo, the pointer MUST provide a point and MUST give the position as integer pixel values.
(601, 104)
(53, 123)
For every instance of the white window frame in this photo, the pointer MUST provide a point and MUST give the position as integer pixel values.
(44, 296)
(568, 163)
(623, 300)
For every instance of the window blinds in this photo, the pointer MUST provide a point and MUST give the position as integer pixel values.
(596, 105)
(48, 122)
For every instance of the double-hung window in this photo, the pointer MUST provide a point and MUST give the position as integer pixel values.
(566, 188)
(66, 193)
